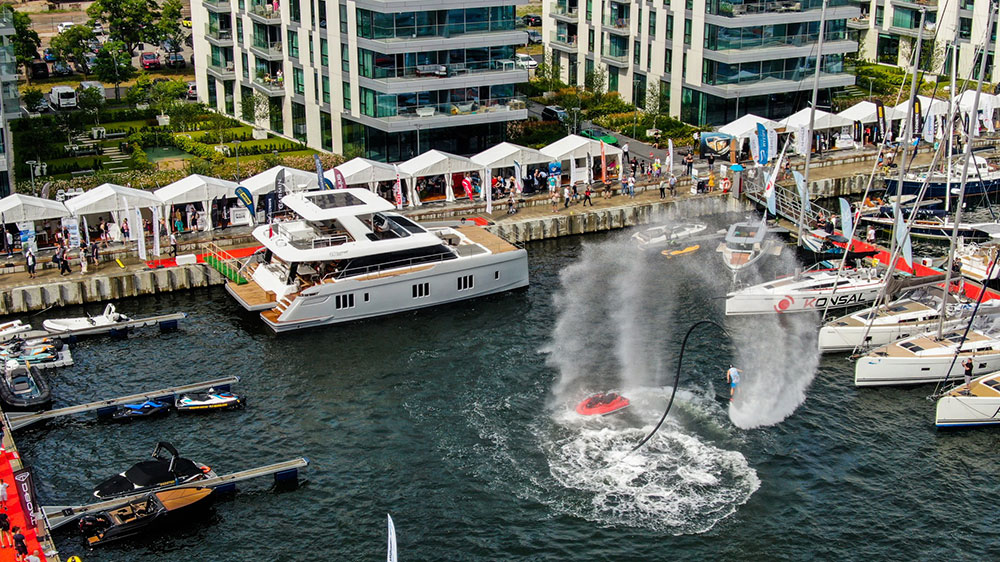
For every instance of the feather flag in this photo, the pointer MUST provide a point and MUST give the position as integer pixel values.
(755, 148)
(846, 222)
(670, 155)
(800, 182)
(903, 238)
(139, 234)
(156, 230)
(518, 178)
(769, 189)
(604, 165)
(86, 231)
(488, 190)
(397, 189)
(763, 148)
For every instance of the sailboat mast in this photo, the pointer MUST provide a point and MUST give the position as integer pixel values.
(967, 155)
(812, 118)
(951, 129)
(906, 139)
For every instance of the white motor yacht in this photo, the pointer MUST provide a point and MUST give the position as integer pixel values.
(977, 261)
(664, 235)
(971, 405)
(746, 243)
(925, 358)
(342, 255)
(916, 312)
(815, 289)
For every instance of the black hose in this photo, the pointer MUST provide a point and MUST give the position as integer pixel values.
(677, 379)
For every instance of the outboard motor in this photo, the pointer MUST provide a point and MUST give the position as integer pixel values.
(91, 525)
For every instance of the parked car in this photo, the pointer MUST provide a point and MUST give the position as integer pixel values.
(176, 60)
(98, 28)
(39, 69)
(554, 113)
(169, 46)
(598, 135)
(533, 20)
(92, 84)
(192, 93)
(86, 65)
(48, 55)
(41, 107)
(186, 23)
(534, 37)
(61, 68)
(524, 61)
(64, 26)
(94, 45)
(149, 61)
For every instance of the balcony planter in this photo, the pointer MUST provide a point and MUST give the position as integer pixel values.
(259, 134)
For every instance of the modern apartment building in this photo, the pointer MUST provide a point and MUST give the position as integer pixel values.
(711, 60)
(10, 105)
(386, 79)
(887, 32)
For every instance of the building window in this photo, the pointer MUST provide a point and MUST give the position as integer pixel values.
(636, 52)
(421, 290)
(496, 275)
(668, 60)
(299, 81)
(324, 54)
(687, 32)
(590, 40)
(345, 58)
(293, 43)
(246, 65)
(326, 90)
(344, 301)
(652, 23)
(277, 114)
(590, 10)
(326, 139)
(612, 78)
(311, 61)
(689, 5)
(879, 16)
(239, 31)
(229, 87)
(347, 96)
(316, 86)
(295, 11)
(213, 100)
(343, 18)
(465, 283)
(670, 27)
(965, 28)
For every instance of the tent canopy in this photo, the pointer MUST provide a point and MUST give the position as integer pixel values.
(108, 197)
(987, 102)
(363, 170)
(746, 126)
(195, 188)
(927, 106)
(575, 146)
(23, 208)
(434, 162)
(823, 120)
(865, 111)
(505, 154)
(295, 180)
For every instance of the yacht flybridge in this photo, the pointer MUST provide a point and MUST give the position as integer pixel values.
(342, 255)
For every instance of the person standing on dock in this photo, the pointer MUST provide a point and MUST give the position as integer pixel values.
(83, 258)
(20, 548)
(566, 197)
(30, 261)
(3, 494)
(733, 378)
(95, 253)
(173, 244)
(631, 185)
(6, 540)
(688, 163)
(10, 243)
(586, 196)
(673, 185)
(870, 237)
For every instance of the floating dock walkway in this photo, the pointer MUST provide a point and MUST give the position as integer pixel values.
(17, 420)
(287, 471)
(165, 321)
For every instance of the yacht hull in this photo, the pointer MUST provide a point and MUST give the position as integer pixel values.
(967, 411)
(834, 339)
(887, 371)
(740, 303)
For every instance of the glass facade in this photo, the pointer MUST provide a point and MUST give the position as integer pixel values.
(441, 23)
(326, 130)
(794, 69)
(394, 147)
(299, 122)
(446, 102)
(704, 109)
(736, 8)
(433, 63)
(782, 35)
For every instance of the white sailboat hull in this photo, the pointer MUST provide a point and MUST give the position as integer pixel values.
(967, 411)
(749, 302)
(834, 339)
(885, 371)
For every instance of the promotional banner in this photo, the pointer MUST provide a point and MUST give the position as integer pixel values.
(467, 186)
(86, 231)
(26, 493)
(846, 224)
(140, 233)
(928, 132)
(156, 230)
(341, 183)
(270, 206)
(918, 123)
(397, 189)
(518, 178)
(391, 557)
(903, 238)
(245, 197)
(755, 148)
(802, 145)
(279, 190)
(772, 139)
(27, 234)
(858, 132)
(320, 180)
(488, 190)
(769, 189)
(734, 152)
(762, 145)
(880, 117)
(670, 155)
(72, 227)
(604, 165)
(800, 182)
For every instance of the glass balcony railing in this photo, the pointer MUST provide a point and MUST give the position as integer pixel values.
(564, 10)
(273, 48)
(798, 75)
(737, 8)
(218, 4)
(274, 85)
(218, 34)
(220, 66)
(563, 38)
(615, 52)
(437, 70)
(408, 33)
(725, 42)
(392, 112)
(616, 22)
(265, 11)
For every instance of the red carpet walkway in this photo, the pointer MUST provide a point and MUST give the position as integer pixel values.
(14, 512)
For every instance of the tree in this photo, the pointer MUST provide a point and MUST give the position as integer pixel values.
(114, 64)
(91, 100)
(32, 98)
(184, 115)
(653, 100)
(164, 95)
(138, 93)
(26, 42)
(130, 22)
(255, 108)
(596, 80)
(169, 27)
(73, 44)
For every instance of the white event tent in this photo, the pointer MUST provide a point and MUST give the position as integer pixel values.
(433, 163)
(865, 112)
(573, 152)
(111, 199)
(24, 208)
(823, 121)
(362, 171)
(504, 155)
(746, 126)
(294, 180)
(197, 188)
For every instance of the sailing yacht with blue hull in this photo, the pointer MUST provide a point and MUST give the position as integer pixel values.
(342, 255)
(983, 179)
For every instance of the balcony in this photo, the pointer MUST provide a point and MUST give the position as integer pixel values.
(563, 41)
(268, 51)
(562, 12)
(221, 69)
(218, 6)
(272, 87)
(931, 5)
(616, 24)
(400, 80)
(617, 56)
(438, 31)
(219, 37)
(859, 22)
(453, 114)
(265, 14)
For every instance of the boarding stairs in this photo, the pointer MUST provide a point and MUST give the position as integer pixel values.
(225, 263)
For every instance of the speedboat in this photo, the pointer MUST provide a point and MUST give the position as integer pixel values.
(925, 358)
(602, 404)
(978, 261)
(13, 329)
(136, 516)
(109, 320)
(148, 409)
(975, 404)
(661, 236)
(916, 312)
(745, 243)
(161, 470)
(24, 388)
(211, 400)
(819, 288)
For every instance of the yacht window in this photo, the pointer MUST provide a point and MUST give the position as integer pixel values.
(408, 224)
(421, 290)
(344, 301)
(465, 282)
(992, 383)
(367, 298)
(911, 346)
(334, 199)
(401, 258)
(496, 275)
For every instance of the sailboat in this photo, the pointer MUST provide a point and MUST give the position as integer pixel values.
(975, 404)
(819, 288)
(746, 243)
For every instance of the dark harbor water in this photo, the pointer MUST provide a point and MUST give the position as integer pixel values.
(458, 421)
